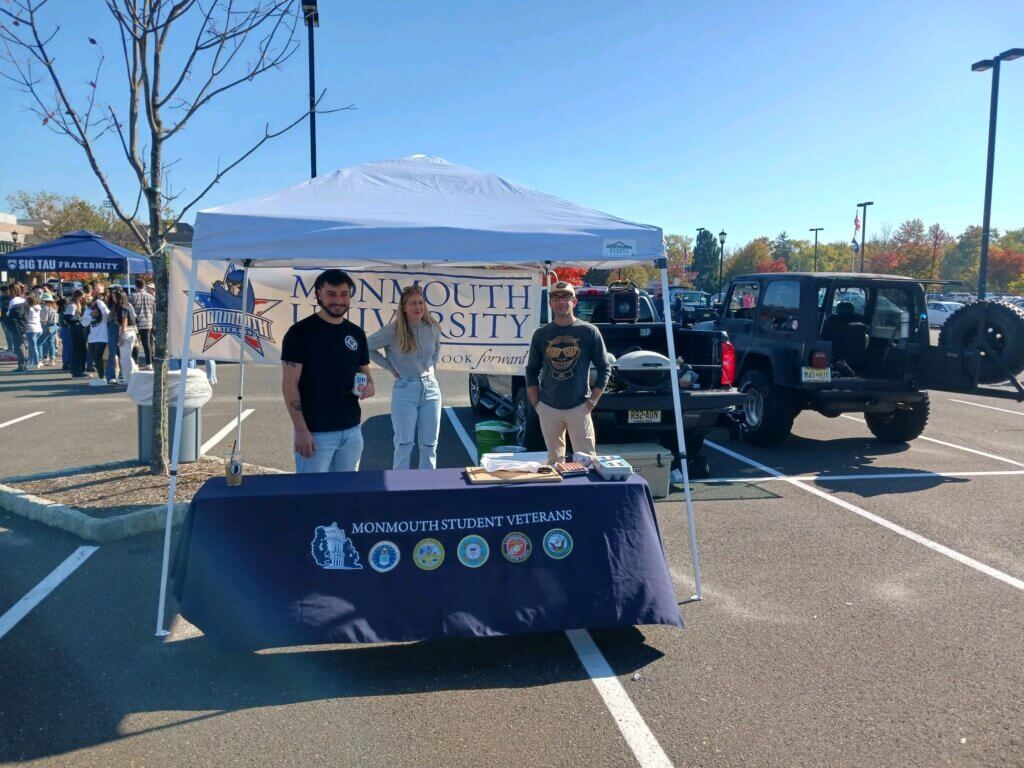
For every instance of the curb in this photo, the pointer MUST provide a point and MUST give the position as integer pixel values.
(73, 520)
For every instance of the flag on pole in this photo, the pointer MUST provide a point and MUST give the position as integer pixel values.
(856, 223)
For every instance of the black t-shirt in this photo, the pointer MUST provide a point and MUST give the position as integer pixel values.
(125, 313)
(330, 356)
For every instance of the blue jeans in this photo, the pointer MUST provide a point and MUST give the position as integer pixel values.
(416, 418)
(113, 350)
(335, 452)
(66, 345)
(48, 342)
(32, 337)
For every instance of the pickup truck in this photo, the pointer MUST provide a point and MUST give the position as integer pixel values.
(636, 405)
(838, 343)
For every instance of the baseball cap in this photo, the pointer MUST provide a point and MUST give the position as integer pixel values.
(562, 287)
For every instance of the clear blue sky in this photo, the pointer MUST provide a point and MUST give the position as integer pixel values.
(752, 117)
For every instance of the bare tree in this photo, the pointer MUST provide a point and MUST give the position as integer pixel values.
(218, 45)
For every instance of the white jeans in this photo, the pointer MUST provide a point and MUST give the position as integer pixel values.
(416, 419)
(127, 363)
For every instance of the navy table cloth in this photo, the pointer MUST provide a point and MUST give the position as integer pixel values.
(415, 555)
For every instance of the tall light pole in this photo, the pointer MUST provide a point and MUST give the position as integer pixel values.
(982, 66)
(312, 17)
(815, 230)
(695, 244)
(864, 229)
(721, 259)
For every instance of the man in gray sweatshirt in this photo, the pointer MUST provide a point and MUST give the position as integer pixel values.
(558, 372)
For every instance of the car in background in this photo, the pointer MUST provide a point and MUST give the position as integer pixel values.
(691, 306)
(939, 311)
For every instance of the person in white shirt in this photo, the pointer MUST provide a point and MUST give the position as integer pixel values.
(95, 319)
(33, 330)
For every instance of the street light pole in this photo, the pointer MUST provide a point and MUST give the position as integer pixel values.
(721, 259)
(982, 66)
(864, 229)
(312, 18)
(815, 230)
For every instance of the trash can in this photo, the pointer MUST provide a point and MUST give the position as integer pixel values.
(191, 433)
(491, 434)
(197, 393)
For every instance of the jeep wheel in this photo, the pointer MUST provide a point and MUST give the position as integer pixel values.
(1004, 331)
(476, 392)
(530, 436)
(768, 413)
(900, 426)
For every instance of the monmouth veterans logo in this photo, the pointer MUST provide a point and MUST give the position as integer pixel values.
(428, 554)
(516, 547)
(473, 551)
(384, 556)
(557, 543)
(220, 313)
(333, 550)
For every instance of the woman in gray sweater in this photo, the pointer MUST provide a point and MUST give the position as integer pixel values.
(411, 345)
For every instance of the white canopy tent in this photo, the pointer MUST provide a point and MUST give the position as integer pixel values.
(413, 211)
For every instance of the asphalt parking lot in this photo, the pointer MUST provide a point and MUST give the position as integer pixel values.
(863, 605)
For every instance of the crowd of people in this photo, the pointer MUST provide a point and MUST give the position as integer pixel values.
(101, 330)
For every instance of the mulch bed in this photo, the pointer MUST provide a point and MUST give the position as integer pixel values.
(119, 491)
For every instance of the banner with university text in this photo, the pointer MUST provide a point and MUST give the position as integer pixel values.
(487, 316)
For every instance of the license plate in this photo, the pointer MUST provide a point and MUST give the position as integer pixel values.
(644, 417)
(816, 375)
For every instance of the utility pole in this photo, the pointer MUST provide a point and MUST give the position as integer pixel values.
(816, 230)
(312, 17)
(864, 230)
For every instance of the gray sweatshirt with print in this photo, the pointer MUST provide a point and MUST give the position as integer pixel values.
(559, 363)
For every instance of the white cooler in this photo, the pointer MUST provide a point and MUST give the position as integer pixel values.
(651, 461)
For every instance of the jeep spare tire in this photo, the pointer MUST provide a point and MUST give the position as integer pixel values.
(1003, 329)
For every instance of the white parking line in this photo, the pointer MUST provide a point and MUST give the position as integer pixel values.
(990, 407)
(954, 445)
(21, 418)
(819, 477)
(38, 593)
(225, 431)
(970, 562)
(634, 730)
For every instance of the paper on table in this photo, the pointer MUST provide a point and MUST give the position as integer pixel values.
(494, 465)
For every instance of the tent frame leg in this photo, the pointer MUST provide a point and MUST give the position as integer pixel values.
(662, 264)
(242, 336)
(176, 449)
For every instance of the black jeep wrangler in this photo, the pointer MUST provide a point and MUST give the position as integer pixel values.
(842, 342)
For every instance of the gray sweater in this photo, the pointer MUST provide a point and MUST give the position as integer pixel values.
(559, 363)
(421, 360)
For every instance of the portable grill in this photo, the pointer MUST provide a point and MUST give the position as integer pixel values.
(642, 371)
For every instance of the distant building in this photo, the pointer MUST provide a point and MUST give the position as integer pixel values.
(181, 235)
(13, 234)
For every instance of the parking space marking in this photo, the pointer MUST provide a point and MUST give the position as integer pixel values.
(21, 418)
(630, 722)
(970, 562)
(953, 445)
(990, 407)
(39, 592)
(224, 432)
(863, 476)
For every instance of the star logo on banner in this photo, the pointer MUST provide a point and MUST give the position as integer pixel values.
(220, 313)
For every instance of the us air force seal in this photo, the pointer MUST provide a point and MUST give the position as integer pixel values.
(428, 554)
(473, 551)
(333, 550)
(557, 544)
(351, 343)
(516, 547)
(384, 556)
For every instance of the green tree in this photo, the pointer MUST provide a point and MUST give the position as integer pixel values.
(59, 214)
(679, 251)
(705, 262)
(746, 259)
(782, 248)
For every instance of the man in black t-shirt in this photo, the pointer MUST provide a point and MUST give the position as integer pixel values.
(321, 356)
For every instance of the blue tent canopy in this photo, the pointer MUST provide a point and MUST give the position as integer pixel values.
(79, 251)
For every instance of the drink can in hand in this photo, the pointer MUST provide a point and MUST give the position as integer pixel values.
(361, 379)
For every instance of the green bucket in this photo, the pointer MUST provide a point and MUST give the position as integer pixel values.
(491, 434)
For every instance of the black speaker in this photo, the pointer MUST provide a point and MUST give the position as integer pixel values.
(623, 302)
